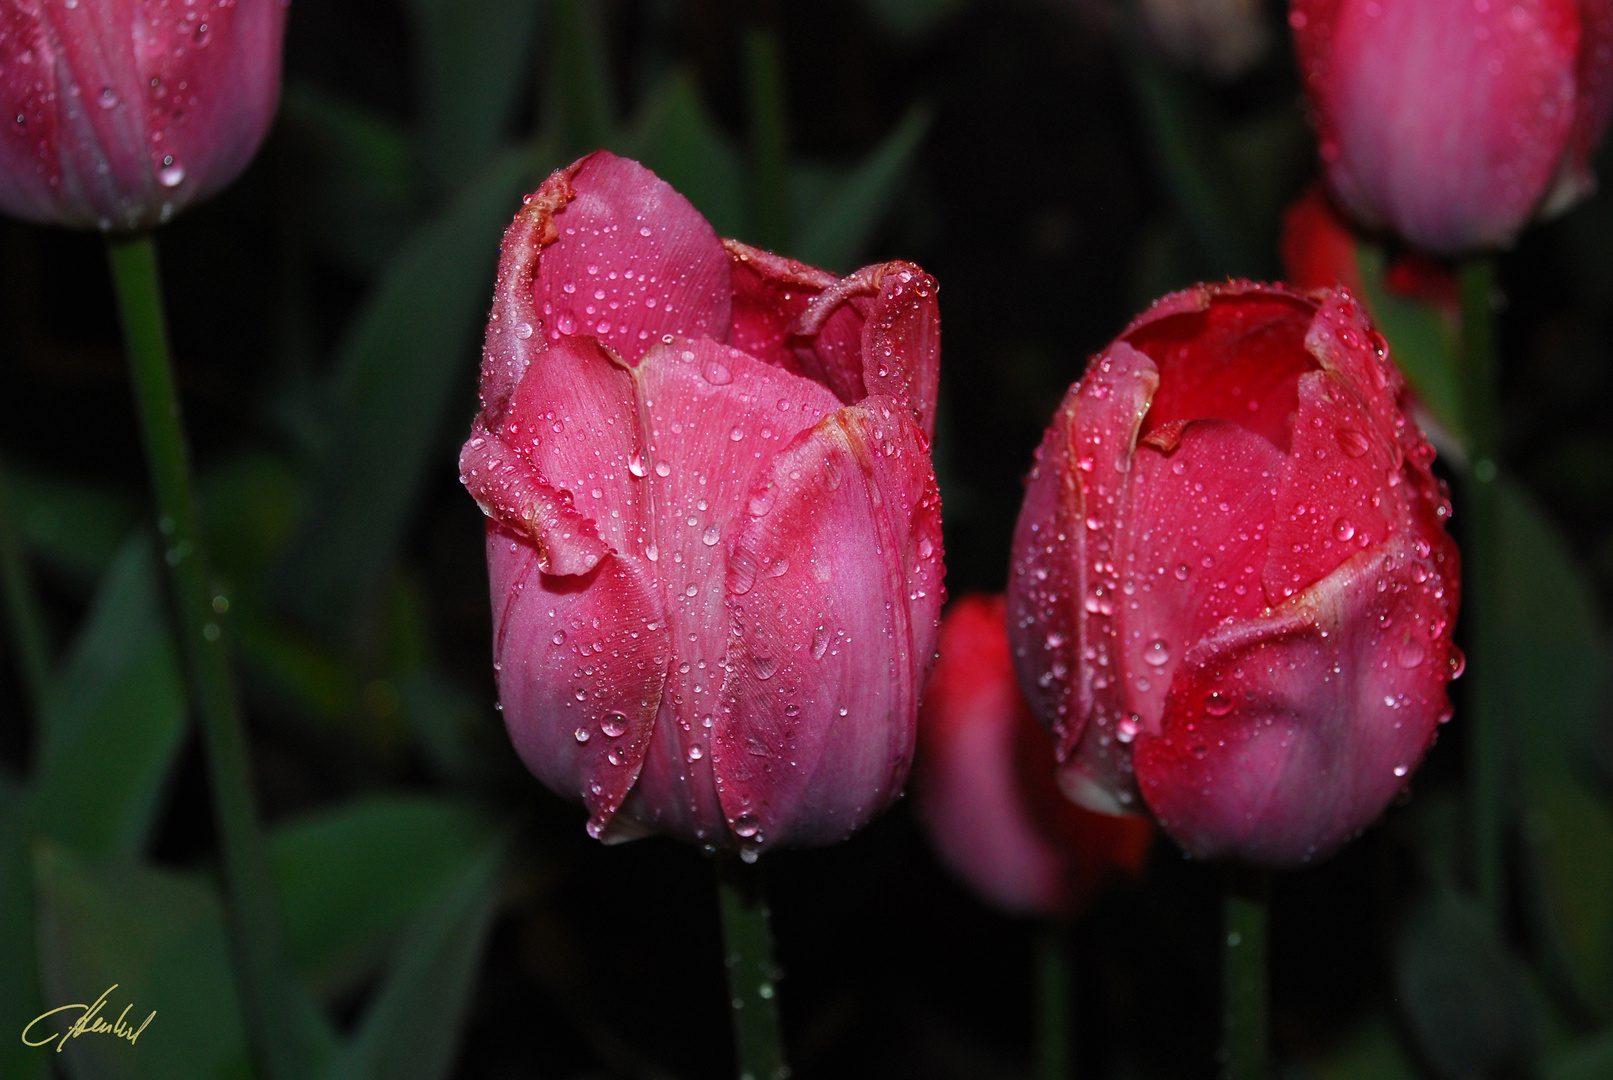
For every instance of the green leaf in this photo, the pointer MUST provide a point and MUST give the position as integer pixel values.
(1466, 997)
(838, 230)
(351, 175)
(411, 1029)
(396, 371)
(250, 503)
(350, 879)
(1591, 1059)
(674, 138)
(1422, 340)
(113, 717)
(158, 940)
(1551, 671)
(1372, 1052)
(585, 117)
(472, 58)
(71, 527)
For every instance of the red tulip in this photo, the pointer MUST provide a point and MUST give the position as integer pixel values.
(1232, 590)
(119, 113)
(984, 781)
(1453, 121)
(714, 535)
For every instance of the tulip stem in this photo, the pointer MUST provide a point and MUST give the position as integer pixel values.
(27, 623)
(273, 1019)
(1054, 991)
(770, 196)
(1246, 1053)
(752, 975)
(1486, 733)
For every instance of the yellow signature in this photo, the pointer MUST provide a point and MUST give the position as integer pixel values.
(89, 1023)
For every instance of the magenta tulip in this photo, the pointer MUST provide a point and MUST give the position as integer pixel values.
(1232, 591)
(1451, 122)
(984, 782)
(119, 113)
(714, 536)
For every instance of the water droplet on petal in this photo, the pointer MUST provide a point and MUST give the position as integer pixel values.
(716, 372)
(1217, 704)
(1157, 652)
(615, 723)
(746, 825)
(1343, 530)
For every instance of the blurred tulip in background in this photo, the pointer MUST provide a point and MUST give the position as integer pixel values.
(714, 533)
(121, 113)
(985, 788)
(1232, 592)
(1452, 122)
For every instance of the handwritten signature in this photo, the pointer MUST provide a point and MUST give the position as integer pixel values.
(89, 1023)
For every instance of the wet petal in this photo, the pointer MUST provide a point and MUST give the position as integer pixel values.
(1284, 736)
(834, 590)
(517, 497)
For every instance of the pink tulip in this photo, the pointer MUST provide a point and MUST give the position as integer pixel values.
(984, 782)
(1232, 591)
(714, 536)
(1452, 122)
(119, 113)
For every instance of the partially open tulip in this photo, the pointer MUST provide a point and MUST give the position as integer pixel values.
(1451, 122)
(984, 781)
(118, 113)
(1232, 591)
(714, 537)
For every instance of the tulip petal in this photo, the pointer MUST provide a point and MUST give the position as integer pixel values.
(1286, 735)
(631, 261)
(712, 421)
(770, 293)
(514, 494)
(581, 661)
(1192, 551)
(834, 589)
(1064, 586)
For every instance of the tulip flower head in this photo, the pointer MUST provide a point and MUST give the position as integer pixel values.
(119, 113)
(1232, 591)
(1452, 122)
(713, 534)
(984, 782)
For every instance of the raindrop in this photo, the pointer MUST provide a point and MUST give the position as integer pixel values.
(1157, 652)
(1127, 729)
(1411, 654)
(615, 723)
(523, 330)
(746, 825)
(695, 753)
(172, 173)
(1402, 770)
(1217, 704)
(109, 98)
(711, 536)
(820, 642)
(662, 469)
(1352, 442)
(764, 666)
(581, 734)
(559, 637)
(1343, 530)
(761, 502)
(716, 372)
(635, 464)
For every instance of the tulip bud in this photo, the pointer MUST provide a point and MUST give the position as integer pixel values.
(118, 114)
(1452, 122)
(984, 782)
(714, 536)
(1232, 592)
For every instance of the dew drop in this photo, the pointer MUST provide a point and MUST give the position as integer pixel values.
(1352, 442)
(764, 666)
(746, 825)
(695, 753)
(716, 372)
(662, 469)
(1402, 770)
(820, 642)
(614, 724)
(523, 330)
(581, 734)
(1217, 704)
(635, 464)
(172, 173)
(1343, 530)
(711, 536)
(1157, 652)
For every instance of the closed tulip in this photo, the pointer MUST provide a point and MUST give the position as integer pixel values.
(119, 113)
(1452, 122)
(1232, 591)
(713, 531)
(984, 782)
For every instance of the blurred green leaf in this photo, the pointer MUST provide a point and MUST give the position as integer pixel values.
(585, 119)
(1591, 1059)
(71, 527)
(351, 176)
(472, 58)
(1422, 340)
(1552, 670)
(1466, 997)
(350, 879)
(293, 675)
(1372, 1052)
(837, 231)
(395, 373)
(159, 938)
(113, 717)
(251, 503)
(674, 138)
(412, 1027)
(460, 739)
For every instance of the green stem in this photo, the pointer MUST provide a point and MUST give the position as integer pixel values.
(279, 1030)
(1487, 813)
(1246, 1053)
(1053, 992)
(752, 977)
(770, 194)
(27, 622)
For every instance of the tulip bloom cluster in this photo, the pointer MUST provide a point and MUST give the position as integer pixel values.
(119, 113)
(1232, 590)
(714, 535)
(1453, 121)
